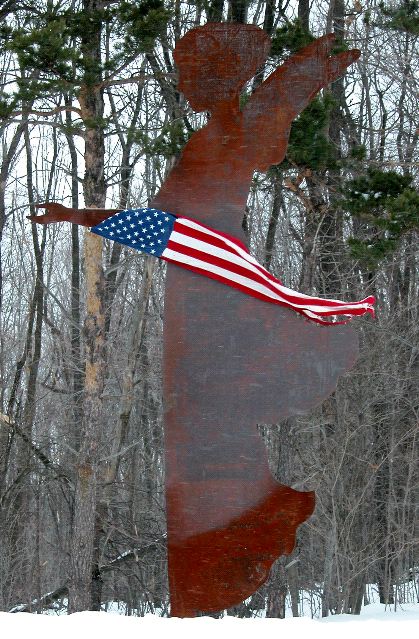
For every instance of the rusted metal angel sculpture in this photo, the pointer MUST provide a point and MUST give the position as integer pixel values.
(231, 361)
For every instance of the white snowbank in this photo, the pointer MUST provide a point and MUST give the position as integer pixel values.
(374, 621)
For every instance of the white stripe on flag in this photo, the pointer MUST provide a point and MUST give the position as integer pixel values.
(260, 270)
(250, 283)
(307, 301)
(236, 247)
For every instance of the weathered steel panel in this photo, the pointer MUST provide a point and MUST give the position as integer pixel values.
(232, 361)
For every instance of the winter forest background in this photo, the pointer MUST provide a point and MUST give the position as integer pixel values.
(90, 115)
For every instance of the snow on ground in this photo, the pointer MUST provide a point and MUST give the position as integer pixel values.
(376, 620)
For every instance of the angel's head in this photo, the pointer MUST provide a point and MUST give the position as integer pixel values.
(217, 59)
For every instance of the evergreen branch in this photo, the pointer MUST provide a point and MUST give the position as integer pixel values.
(58, 125)
(7, 8)
(134, 78)
(166, 88)
(124, 65)
(46, 114)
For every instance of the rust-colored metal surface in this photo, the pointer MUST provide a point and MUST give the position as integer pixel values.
(232, 361)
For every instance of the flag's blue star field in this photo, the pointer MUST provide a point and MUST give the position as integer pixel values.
(147, 230)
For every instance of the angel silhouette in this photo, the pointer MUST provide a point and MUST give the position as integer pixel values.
(231, 361)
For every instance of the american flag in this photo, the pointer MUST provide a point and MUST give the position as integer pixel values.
(199, 248)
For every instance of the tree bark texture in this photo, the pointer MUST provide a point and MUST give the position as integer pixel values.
(84, 575)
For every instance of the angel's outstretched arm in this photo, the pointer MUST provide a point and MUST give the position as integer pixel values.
(56, 212)
(288, 90)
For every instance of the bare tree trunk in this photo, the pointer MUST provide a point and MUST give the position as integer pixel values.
(331, 231)
(84, 574)
(328, 570)
(125, 174)
(304, 13)
(312, 224)
(275, 607)
(273, 222)
(238, 10)
(292, 573)
(4, 170)
(23, 504)
(77, 373)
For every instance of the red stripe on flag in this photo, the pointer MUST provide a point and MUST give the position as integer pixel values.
(307, 302)
(222, 235)
(220, 242)
(251, 292)
(307, 312)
